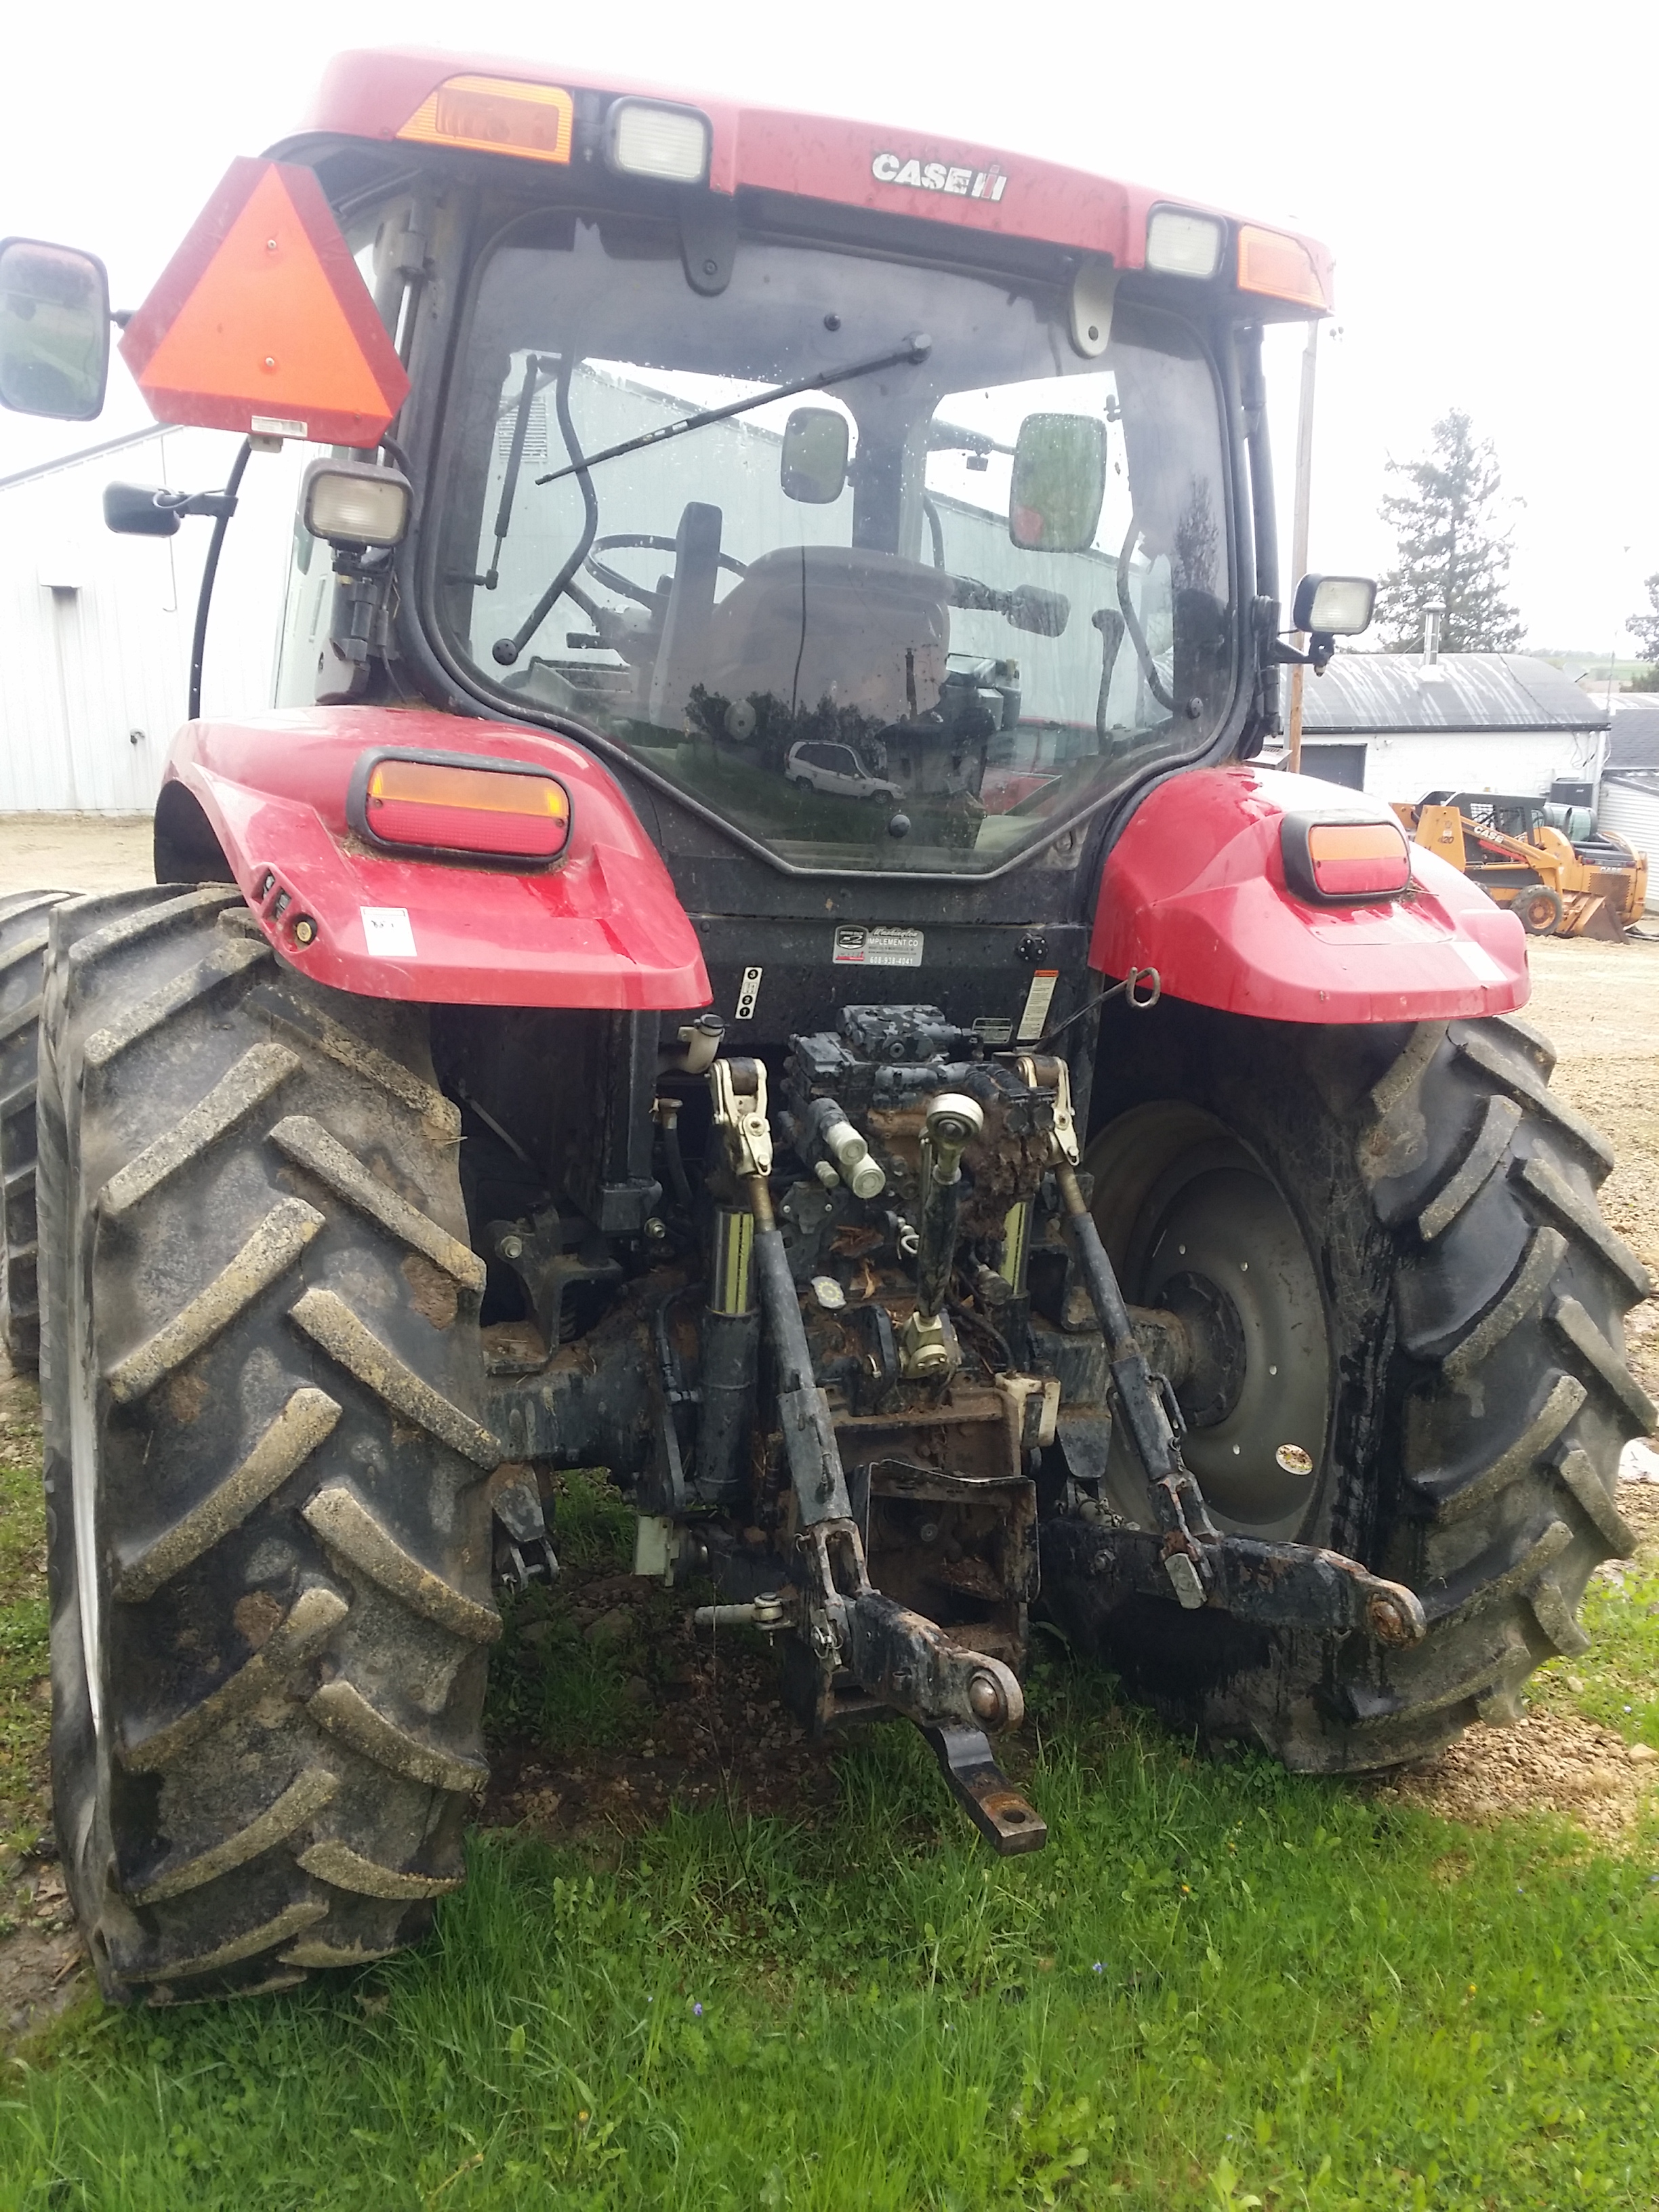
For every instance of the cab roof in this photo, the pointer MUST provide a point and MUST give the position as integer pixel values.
(380, 94)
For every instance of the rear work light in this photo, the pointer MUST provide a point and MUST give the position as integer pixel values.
(1179, 244)
(646, 139)
(449, 804)
(351, 503)
(1340, 861)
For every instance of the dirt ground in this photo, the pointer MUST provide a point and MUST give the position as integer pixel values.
(715, 1732)
(1546, 1762)
(74, 852)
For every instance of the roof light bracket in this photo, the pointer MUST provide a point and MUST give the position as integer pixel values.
(708, 239)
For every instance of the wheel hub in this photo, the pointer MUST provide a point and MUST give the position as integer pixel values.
(1228, 1305)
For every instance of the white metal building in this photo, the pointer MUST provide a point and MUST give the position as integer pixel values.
(1399, 726)
(1630, 782)
(95, 630)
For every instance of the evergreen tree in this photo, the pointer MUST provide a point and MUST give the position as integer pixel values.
(1451, 551)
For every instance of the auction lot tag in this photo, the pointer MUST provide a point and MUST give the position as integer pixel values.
(386, 933)
(856, 947)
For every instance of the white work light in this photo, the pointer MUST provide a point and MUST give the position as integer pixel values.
(353, 503)
(648, 140)
(1334, 606)
(1182, 244)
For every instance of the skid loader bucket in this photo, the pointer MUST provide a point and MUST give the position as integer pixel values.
(1591, 917)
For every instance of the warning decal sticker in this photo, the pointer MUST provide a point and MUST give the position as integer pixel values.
(1038, 999)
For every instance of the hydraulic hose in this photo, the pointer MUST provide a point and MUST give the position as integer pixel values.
(210, 570)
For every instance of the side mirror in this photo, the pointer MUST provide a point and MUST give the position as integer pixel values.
(131, 511)
(1045, 614)
(813, 468)
(1334, 606)
(54, 330)
(1059, 484)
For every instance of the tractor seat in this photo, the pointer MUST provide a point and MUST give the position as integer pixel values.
(864, 630)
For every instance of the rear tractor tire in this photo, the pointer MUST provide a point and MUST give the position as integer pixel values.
(268, 1521)
(1424, 1311)
(23, 922)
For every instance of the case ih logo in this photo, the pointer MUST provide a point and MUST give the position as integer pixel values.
(989, 184)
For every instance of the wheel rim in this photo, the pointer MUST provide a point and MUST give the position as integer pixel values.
(1192, 1218)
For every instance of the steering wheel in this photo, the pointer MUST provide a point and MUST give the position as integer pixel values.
(614, 580)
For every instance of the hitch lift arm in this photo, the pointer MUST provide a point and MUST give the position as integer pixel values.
(1284, 1585)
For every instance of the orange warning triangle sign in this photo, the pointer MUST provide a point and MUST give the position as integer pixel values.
(261, 321)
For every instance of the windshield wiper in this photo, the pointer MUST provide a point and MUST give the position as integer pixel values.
(914, 351)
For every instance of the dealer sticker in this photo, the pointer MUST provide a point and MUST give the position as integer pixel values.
(856, 947)
(386, 933)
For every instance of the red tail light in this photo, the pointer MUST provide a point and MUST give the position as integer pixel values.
(1340, 862)
(506, 811)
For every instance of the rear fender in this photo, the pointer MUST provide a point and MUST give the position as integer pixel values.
(602, 928)
(1195, 887)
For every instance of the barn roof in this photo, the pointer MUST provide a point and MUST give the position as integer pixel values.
(1368, 694)
(1633, 738)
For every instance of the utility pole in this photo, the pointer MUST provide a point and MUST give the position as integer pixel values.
(1304, 422)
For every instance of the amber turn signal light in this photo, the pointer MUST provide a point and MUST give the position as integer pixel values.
(1340, 861)
(1279, 267)
(506, 811)
(496, 115)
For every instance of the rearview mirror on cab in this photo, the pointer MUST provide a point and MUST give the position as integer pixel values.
(1059, 484)
(813, 469)
(135, 511)
(54, 330)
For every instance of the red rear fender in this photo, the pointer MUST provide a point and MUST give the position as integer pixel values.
(1195, 888)
(603, 927)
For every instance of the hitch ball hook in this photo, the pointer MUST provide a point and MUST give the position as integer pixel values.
(987, 1702)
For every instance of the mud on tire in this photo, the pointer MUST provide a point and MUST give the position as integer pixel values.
(267, 1518)
(1474, 1298)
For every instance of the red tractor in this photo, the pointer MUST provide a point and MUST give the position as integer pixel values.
(750, 951)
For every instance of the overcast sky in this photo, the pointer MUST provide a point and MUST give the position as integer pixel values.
(1485, 174)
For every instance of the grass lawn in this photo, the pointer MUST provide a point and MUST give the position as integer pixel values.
(1219, 1986)
(25, 1712)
